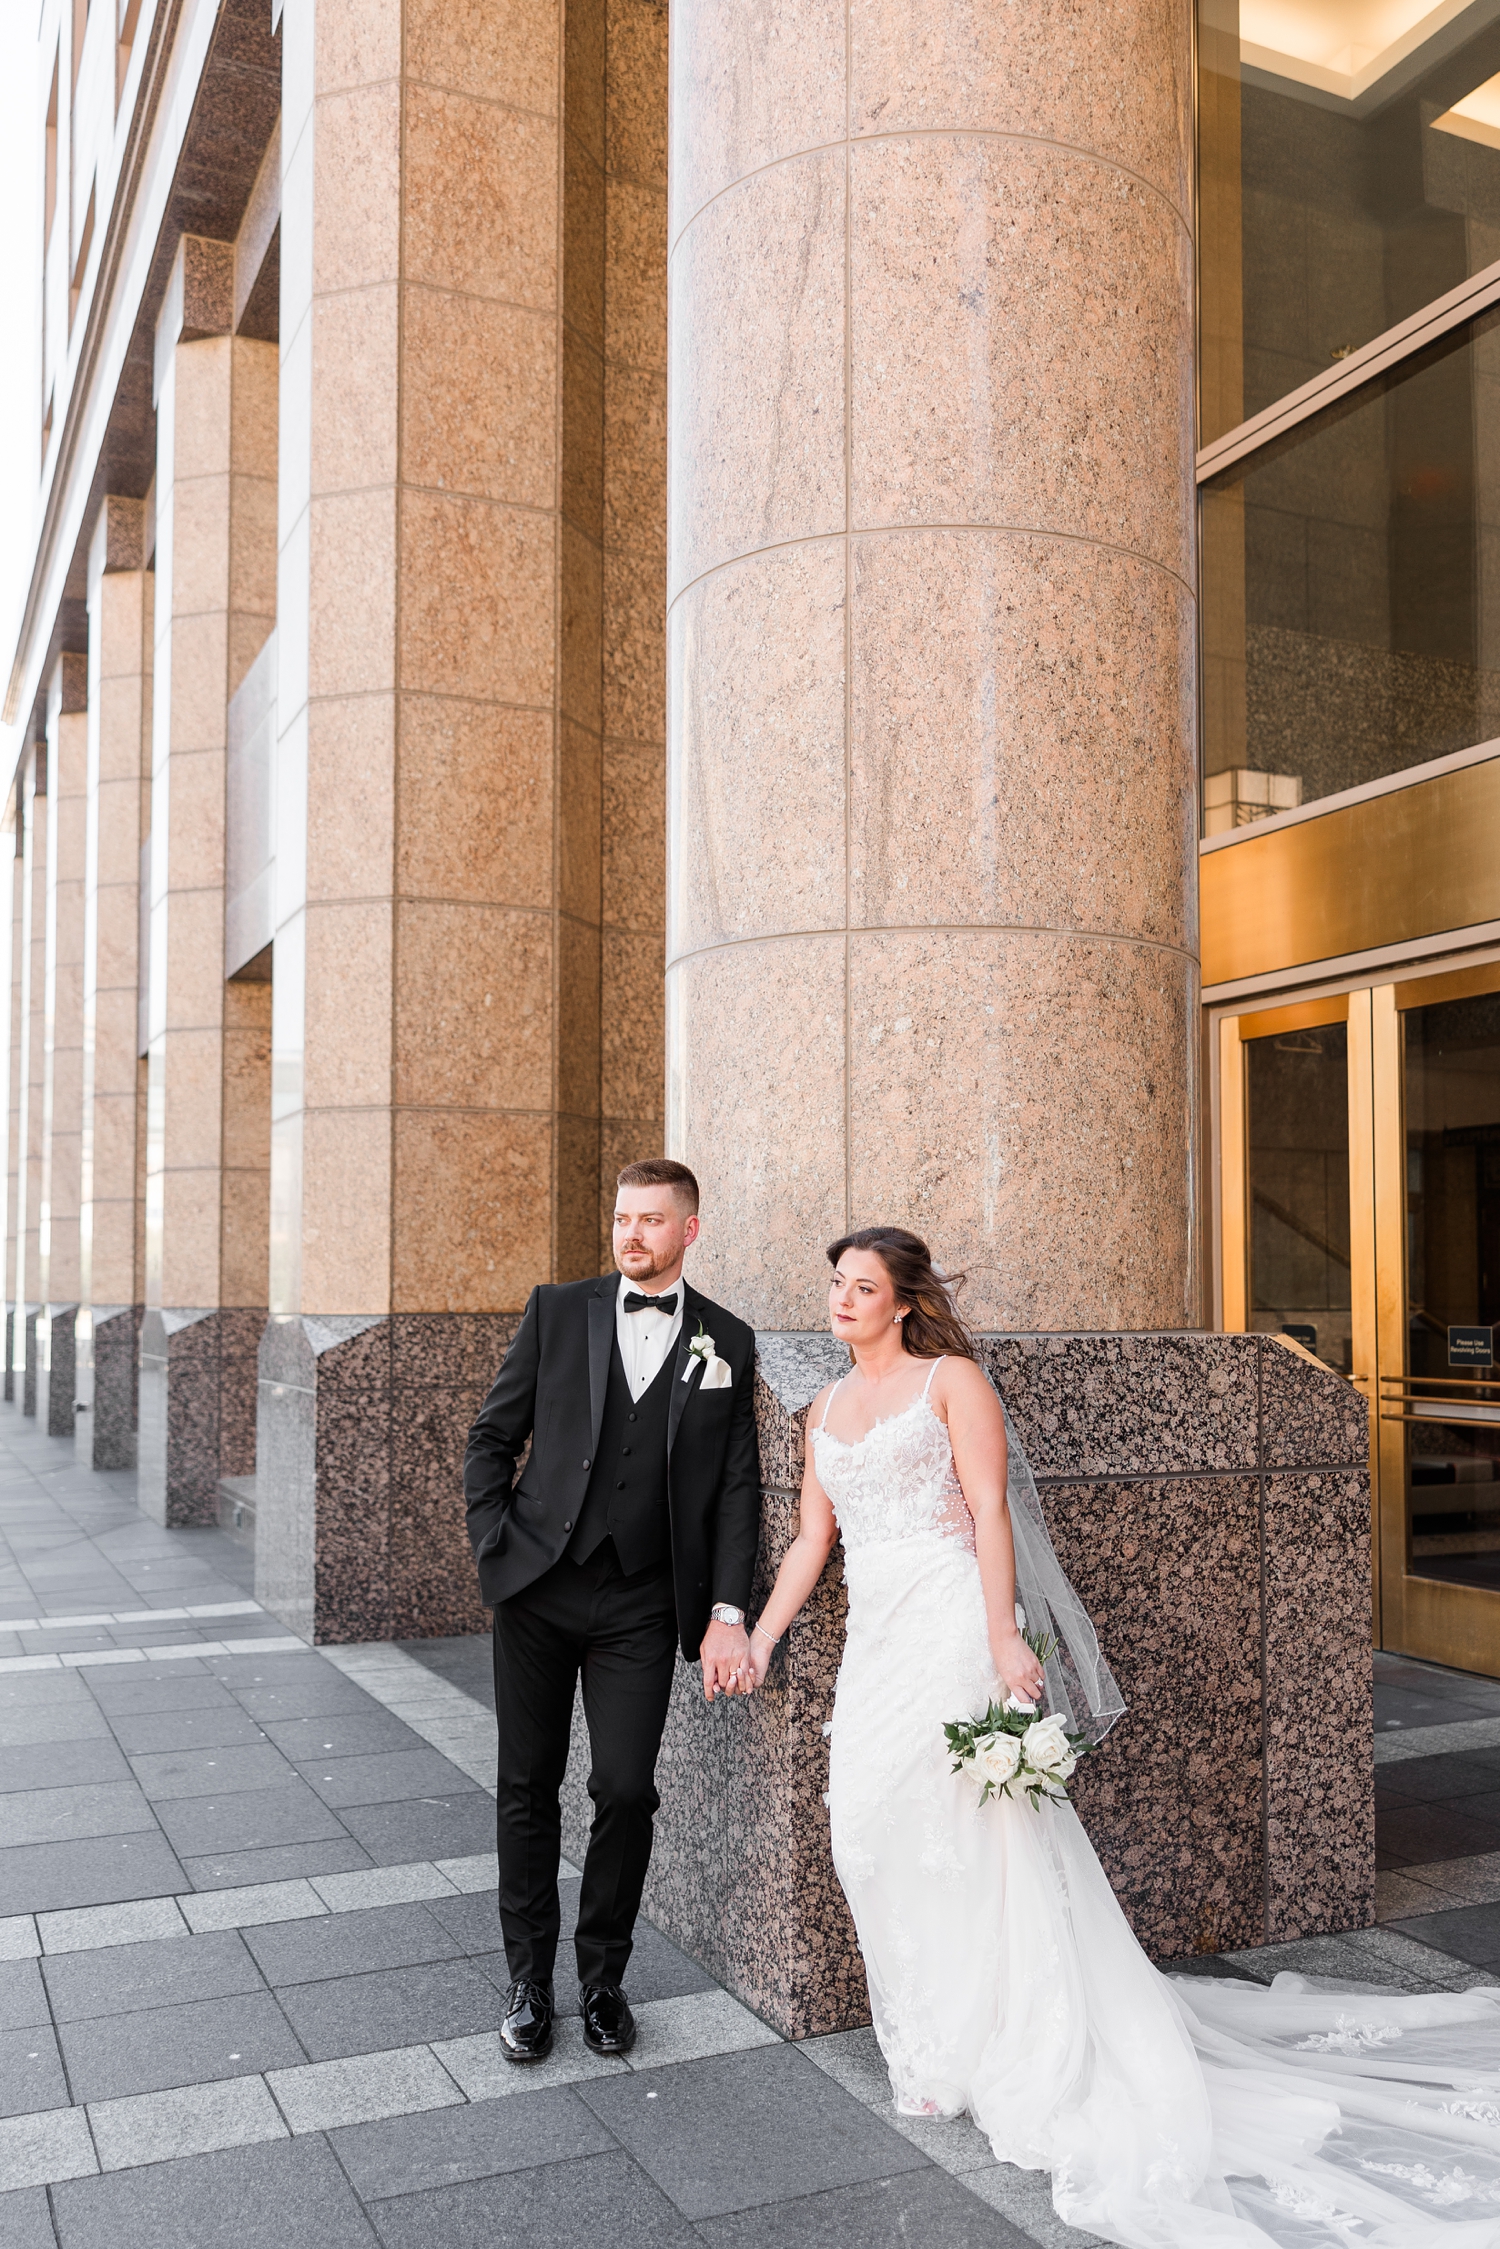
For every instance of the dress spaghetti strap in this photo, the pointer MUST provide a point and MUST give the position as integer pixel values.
(927, 1385)
(827, 1402)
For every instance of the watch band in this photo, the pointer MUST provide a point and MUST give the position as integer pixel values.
(725, 1612)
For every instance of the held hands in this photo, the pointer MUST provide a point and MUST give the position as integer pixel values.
(1020, 1673)
(725, 1656)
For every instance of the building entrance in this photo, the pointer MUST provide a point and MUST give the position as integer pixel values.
(1360, 1217)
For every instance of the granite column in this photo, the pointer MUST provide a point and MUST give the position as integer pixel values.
(208, 1045)
(62, 1044)
(931, 676)
(112, 1220)
(471, 505)
(31, 1066)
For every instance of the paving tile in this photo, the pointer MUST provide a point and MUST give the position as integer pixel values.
(188, 2120)
(387, 1778)
(167, 1973)
(60, 1764)
(321, 2095)
(349, 1944)
(706, 2022)
(52, 1722)
(480, 1871)
(35, 2150)
(39, 1877)
(1470, 1933)
(86, 1928)
(66, 1815)
(272, 1704)
(350, 1733)
(18, 1937)
(1023, 2200)
(658, 1970)
(253, 1906)
(917, 2206)
(290, 2193)
(738, 2129)
(248, 1820)
(392, 2007)
(407, 2155)
(602, 2198)
(281, 1862)
(151, 1733)
(165, 2046)
(383, 1885)
(472, 1919)
(31, 2071)
(26, 1690)
(167, 1775)
(23, 1995)
(181, 1690)
(424, 1827)
(480, 2066)
(25, 2220)
(97, 1659)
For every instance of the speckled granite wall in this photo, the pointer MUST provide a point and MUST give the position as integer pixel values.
(108, 1380)
(196, 1408)
(361, 1426)
(58, 1379)
(1208, 1495)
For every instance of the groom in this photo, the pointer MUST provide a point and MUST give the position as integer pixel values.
(630, 1530)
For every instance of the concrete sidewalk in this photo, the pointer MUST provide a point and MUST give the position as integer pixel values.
(250, 1964)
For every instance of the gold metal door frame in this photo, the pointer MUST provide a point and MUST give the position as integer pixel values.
(1421, 1616)
(1234, 1144)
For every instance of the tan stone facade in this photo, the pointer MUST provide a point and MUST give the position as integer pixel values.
(399, 848)
(338, 905)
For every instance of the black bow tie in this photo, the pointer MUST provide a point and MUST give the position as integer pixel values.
(635, 1302)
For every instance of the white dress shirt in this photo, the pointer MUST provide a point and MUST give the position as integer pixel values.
(646, 1338)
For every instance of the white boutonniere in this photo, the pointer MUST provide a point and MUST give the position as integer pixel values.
(716, 1375)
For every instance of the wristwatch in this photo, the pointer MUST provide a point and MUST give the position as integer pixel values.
(725, 1612)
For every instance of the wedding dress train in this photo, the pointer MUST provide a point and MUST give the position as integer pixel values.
(1172, 2113)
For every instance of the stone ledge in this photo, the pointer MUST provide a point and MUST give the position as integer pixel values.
(1208, 1494)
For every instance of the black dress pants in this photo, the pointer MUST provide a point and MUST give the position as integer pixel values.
(621, 1633)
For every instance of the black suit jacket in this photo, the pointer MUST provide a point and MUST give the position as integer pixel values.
(551, 1389)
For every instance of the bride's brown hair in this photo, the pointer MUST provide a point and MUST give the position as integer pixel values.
(932, 1328)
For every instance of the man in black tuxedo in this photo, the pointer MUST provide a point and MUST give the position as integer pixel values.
(631, 1530)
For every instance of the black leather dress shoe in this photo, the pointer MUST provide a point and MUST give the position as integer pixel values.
(608, 2024)
(526, 2032)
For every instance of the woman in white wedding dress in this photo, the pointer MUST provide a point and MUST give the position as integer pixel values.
(1172, 2113)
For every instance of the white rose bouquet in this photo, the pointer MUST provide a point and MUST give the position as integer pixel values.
(1010, 1747)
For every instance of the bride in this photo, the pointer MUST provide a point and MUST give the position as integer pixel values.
(1172, 2113)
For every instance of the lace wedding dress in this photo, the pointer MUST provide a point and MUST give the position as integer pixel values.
(1172, 2113)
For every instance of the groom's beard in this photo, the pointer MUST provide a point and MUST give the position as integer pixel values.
(638, 1263)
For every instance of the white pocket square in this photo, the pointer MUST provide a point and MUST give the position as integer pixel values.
(716, 1374)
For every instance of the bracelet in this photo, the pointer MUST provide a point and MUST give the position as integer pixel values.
(765, 1635)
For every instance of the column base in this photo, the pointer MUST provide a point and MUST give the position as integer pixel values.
(56, 1384)
(107, 1339)
(196, 1414)
(1208, 1495)
(359, 1509)
(31, 1314)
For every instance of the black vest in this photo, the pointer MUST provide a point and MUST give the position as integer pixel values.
(626, 1498)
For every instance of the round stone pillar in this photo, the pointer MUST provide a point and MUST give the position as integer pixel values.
(932, 926)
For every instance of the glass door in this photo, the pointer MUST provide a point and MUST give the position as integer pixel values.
(1294, 1132)
(1439, 1419)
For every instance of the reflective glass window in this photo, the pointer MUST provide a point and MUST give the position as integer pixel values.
(1351, 588)
(1349, 172)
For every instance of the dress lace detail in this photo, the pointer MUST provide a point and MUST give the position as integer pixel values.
(897, 1480)
(1181, 2113)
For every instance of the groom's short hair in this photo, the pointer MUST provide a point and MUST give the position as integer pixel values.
(661, 1171)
